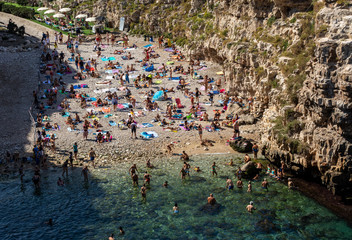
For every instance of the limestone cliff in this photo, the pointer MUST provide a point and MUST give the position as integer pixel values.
(293, 56)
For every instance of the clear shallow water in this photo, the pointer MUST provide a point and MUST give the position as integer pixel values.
(96, 209)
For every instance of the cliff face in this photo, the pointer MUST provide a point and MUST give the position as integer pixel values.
(293, 56)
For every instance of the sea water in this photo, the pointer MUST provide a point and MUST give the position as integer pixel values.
(95, 209)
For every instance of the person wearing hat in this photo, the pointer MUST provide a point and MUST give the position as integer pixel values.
(250, 207)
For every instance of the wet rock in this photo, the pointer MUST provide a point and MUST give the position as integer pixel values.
(211, 209)
(241, 145)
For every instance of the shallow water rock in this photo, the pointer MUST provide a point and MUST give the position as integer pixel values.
(242, 145)
(211, 209)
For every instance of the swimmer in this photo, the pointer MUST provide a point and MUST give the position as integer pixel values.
(65, 168)
(144, 191)
(60, 182)
(183, 173)
(147, 178)
(49, 222)
(231, 162)
(213, 169)
(85, 173)
(186, 167)
(229, 183)
(239, 173)
(197, 169)
(249, 186)
(135, 179)
(265, 184)
(122, 232)
(133, 169)
(166, 184)
(250, 207)
(255, 149)
(175, 208)
(239, 183)
(211, 199)
(111, 237)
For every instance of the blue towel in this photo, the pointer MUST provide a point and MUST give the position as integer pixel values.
(149, 45)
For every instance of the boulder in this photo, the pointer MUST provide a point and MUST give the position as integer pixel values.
(241, 145)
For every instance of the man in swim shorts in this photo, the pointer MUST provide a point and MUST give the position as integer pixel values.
(229, 184)
(211, 199)
(265, 184)
(147, 178)
(92, 156)
(250, 207)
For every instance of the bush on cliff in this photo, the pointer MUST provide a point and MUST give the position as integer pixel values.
(23, 12)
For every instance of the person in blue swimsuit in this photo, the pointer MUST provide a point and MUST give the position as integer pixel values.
(175, 208)
(229, 183)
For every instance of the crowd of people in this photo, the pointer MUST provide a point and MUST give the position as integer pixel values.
(55, 65)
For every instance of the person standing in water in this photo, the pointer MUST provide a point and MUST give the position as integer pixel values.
(239, 184)
(249, 187)
(175, 208)
(75, 150)
(144, 192)
(85, 173)
(250, 207)
(65, 168)
(133, 169)
(92, 156)
(229, 184)
(255, 149)
(183, 173)
(213, 169)
(147, 178)
(265, 184)
(211, 199)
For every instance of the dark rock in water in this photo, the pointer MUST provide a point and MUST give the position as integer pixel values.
(266, 226)
(310, 218)
(211, 209)
(218, 190)
(198, 179)
(250, 170)
(241, 145)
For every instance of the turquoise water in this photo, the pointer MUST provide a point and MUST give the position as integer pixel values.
(95, 209)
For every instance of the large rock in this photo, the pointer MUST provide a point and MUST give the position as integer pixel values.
(241, 145)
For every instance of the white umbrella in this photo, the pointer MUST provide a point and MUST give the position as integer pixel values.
(63, 10)
(81, 16)
(91, 19)
(42, 9)
(59, 15)
(49, 11)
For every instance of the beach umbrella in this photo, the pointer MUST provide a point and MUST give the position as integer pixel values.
(91, 19)
(49, 11)
(81, 16)
(42, 9)
(59, 15)
(63, 10)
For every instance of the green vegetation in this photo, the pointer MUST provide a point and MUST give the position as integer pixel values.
(271, 21)
(285, 127)
(17, 10)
